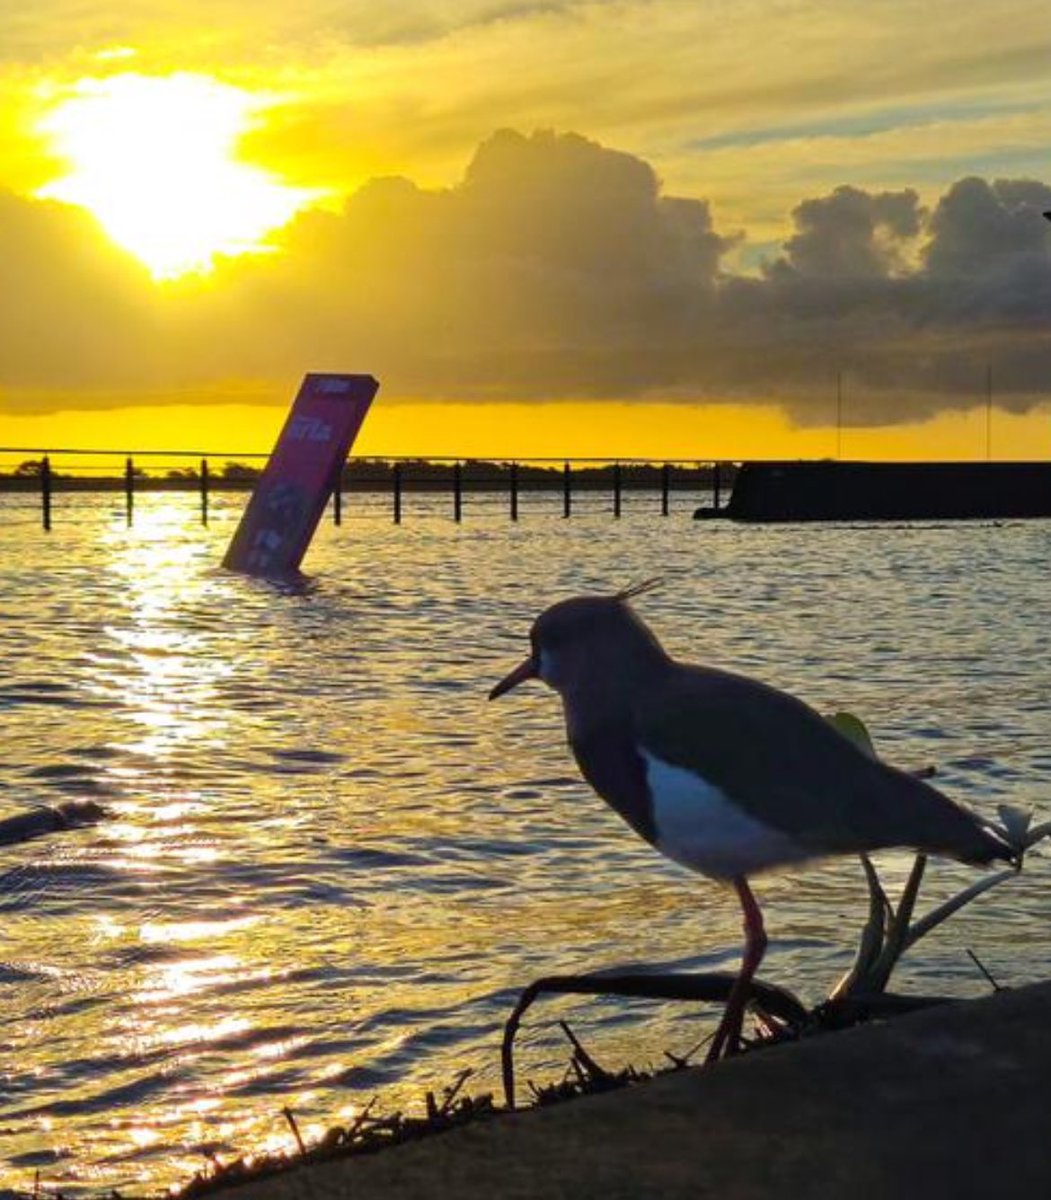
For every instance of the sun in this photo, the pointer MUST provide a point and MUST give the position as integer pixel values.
(154, 159)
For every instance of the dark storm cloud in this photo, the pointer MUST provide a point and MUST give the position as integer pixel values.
(987, 260)
(980, 226)
(557, 269)
(912, 308)
(853, 234)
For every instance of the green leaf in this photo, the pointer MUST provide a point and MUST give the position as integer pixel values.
(934, 918)
(1015, 823)
(872, 937)
(1037, 833)
(854, 730)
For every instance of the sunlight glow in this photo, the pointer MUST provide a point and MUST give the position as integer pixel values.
(154, 159)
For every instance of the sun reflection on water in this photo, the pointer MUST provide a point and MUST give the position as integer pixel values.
(193, 931)
(162, 668)
(179, 979)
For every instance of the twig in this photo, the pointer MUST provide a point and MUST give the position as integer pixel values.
(453, 1089)
(360, 1119)
(981, 967)
(290, 1118)
(582, 1058)
(680, 1061)
(713, 987)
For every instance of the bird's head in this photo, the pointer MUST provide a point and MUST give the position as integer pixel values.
(585, 643)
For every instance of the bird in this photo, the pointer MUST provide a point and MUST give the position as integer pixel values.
(724, 774)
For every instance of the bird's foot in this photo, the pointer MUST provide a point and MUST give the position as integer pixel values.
(727, 1039)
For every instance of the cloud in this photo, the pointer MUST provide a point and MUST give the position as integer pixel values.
(547, 271)
(916, 307)
(74, 311)
(784, 101)
(559, 269)
(854, 234)
(989, 245)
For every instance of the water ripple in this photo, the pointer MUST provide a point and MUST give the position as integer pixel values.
(330, 865)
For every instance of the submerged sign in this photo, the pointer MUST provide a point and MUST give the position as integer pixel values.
(299, 477)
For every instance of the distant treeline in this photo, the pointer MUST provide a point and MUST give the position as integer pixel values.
(362, 474)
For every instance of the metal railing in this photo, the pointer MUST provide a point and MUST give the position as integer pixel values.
(135, 471)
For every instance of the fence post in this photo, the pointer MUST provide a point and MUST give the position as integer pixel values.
(129, 490)
(45, 492)
(204, 491)
(514, 491)
(457, 492)
(665, 488)
(616, 489)
(567, 491)
(396, 480)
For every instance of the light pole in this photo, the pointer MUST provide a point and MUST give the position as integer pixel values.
(988, 412)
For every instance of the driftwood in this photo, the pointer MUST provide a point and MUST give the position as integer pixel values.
(46, 819)
(779, 1007)
(780, 1015)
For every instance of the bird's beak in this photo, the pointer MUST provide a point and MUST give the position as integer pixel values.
(524, 670)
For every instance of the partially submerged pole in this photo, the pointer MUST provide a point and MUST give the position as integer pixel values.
(204, 491)
(457, 493)
(567, 491)
(665, 488)
(129, 491)
(45, 492)
(616, 489)
(514, 491)
(396, 484)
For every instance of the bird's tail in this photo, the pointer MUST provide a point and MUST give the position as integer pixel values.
(989, 843)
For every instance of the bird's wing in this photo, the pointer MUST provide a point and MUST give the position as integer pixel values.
(785, 765)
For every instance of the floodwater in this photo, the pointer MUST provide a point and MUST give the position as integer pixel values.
(330, 864)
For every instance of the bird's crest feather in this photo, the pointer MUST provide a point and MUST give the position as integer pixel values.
(639, 589)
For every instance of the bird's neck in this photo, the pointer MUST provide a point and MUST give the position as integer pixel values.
(602, 700)
(589, 710)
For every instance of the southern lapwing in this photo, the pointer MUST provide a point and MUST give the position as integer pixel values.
(722, 773)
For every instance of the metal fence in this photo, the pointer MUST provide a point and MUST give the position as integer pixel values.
(47, 472)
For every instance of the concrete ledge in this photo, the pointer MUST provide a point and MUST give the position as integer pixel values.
(951, 1102)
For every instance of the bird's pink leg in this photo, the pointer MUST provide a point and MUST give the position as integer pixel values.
(728, 1035)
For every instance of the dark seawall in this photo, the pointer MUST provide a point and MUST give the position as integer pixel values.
(946, 1104)
(865, 491)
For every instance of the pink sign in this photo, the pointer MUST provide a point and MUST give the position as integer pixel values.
(303, 469)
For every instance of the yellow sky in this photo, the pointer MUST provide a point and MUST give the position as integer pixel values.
(657, 431)
(623, 264)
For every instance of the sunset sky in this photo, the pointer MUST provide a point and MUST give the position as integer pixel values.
(631, 227)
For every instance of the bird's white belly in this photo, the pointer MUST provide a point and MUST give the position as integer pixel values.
(698, 826)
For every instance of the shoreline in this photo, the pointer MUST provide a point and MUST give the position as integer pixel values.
(949, 1101)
